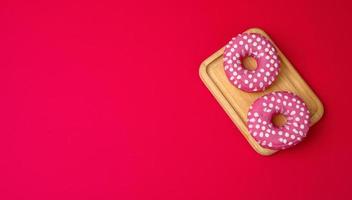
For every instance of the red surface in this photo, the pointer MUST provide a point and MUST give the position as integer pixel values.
(102, 100)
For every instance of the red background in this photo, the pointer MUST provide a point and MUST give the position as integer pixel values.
(102, 100)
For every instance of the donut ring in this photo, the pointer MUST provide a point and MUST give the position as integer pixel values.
(266, 133)
(258, 47)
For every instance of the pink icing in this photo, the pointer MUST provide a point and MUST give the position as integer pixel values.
(266, 133)
(258, 47)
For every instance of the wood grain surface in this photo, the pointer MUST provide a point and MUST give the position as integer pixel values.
(236, 102)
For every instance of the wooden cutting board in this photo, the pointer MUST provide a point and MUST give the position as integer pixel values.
(236, 102)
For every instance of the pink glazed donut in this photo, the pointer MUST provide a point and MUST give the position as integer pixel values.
(266, 133)
(258, 47)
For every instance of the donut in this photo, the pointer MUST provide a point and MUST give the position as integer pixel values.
(266, 134)
(262, 50)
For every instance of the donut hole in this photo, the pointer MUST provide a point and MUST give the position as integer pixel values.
(278, 120)
(250, 63)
